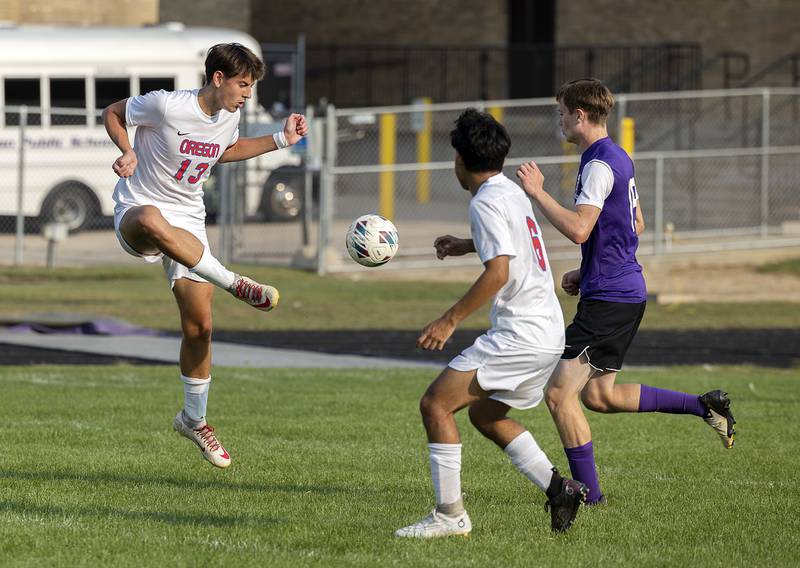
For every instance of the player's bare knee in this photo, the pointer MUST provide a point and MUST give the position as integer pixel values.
(479, 419)
(150, 222)
(430, 406)
(198, 330)
(553, 398)
(595, 399)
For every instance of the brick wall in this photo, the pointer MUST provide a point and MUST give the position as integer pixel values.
(765, 29)
(233, 14)
(408, 22)
(80, 12)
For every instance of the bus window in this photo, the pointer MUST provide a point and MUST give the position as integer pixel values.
(68, 93)
(147, 84)
(22, 92)
(107, 91)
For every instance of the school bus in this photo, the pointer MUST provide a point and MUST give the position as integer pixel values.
(62, 78)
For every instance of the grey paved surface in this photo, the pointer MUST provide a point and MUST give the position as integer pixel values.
(166, 349)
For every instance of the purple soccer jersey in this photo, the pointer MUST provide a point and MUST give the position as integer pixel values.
(609, 269)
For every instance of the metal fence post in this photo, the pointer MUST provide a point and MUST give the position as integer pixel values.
(18, 250)
(225, 214)
(310, 163)
(327, 189)
(658, 213)
(765, 131)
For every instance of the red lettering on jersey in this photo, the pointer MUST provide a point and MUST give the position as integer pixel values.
(202, 149)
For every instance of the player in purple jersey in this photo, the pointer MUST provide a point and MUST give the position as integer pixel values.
(606, 222)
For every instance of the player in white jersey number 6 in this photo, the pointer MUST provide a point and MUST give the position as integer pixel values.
(159, 213)
(508, 366)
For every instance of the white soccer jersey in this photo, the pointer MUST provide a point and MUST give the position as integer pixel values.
(176, 145)
(525, 314)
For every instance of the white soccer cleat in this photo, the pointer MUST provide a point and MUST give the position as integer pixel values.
(437, 525)
(260, 296)
(205, 439)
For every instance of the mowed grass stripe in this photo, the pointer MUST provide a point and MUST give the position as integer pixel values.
(327, 463)
(141, 296)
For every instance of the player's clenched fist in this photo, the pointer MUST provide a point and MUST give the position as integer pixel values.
(531, 178)
(125, 165)
(571, 282)
(295, 128)
(448, 245)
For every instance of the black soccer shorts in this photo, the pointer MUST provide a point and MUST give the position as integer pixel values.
(604, 330)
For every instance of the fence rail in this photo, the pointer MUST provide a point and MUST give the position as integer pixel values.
(698, 192)
(716, 170)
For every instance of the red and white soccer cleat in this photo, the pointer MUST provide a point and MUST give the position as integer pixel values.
(260, 296)
(206, 440)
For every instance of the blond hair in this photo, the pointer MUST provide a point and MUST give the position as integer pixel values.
(589, 95)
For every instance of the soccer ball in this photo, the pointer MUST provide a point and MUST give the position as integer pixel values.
(372, 240)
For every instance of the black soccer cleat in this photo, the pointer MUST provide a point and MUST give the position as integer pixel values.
(564, 506)
(719, 416)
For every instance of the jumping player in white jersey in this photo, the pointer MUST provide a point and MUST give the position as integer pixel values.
(509, 365)
(159, 213)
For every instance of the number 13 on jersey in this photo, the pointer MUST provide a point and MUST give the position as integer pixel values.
(538, 249)
(200, 169)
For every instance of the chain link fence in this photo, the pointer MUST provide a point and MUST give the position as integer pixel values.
(714, 170)
(55, 179)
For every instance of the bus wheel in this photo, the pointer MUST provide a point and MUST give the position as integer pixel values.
(71, 203)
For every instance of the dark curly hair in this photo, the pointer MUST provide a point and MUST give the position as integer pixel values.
(481, 141)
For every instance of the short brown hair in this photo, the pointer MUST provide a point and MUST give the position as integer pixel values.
(590, 95)
(233, 59)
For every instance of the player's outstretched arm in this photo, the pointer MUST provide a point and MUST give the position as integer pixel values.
(575, 225)
(448, 245)
(493, 277)
(114, 121)
(294, 129)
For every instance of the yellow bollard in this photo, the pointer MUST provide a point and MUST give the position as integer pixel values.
(569, 171)
(387, 155)
(627, 135)
(424, 151)
(497, 113)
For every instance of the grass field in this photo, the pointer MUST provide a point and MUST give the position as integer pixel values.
(310, 303)
(788, 266)
(328, 463)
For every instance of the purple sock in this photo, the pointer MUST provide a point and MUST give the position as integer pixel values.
(581, 464)
(652, 399)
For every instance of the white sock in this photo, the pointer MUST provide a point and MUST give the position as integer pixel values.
(446, 472)
(529, 458)
(212, 270)
(195, 399)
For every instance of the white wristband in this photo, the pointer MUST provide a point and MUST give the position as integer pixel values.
(280, 139)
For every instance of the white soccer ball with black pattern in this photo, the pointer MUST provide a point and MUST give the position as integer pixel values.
(372, 240)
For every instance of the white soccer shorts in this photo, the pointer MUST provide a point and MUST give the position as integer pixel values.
(517, 378)
(173, 270)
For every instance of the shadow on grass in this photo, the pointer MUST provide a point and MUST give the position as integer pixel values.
(163, 481)
(159, 516)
